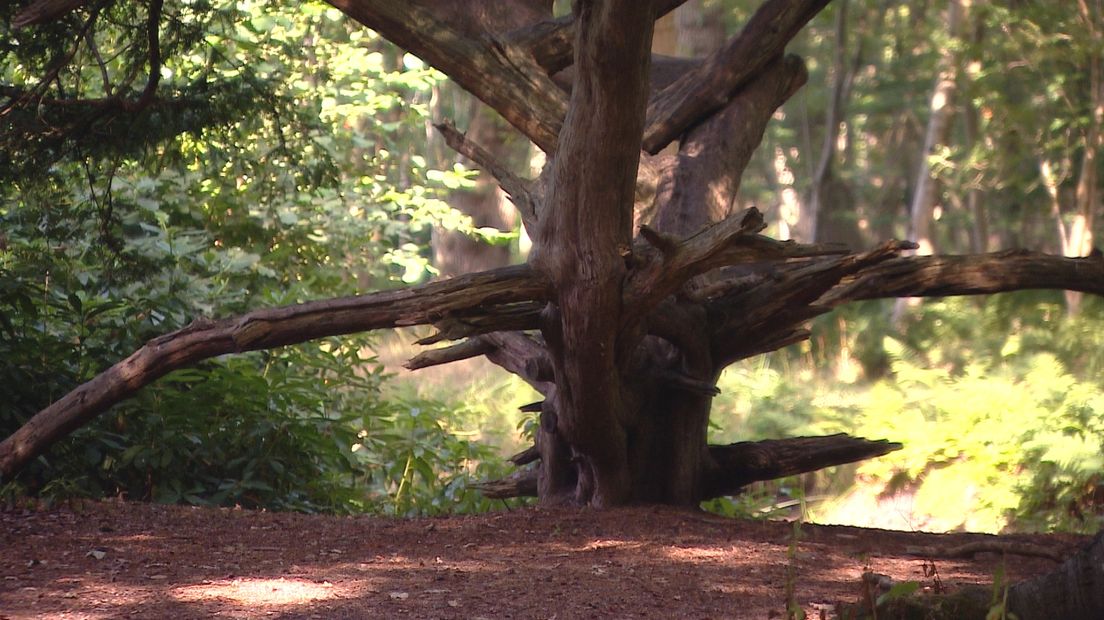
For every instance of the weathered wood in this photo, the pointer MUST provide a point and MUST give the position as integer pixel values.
(501, 75)
(740, 464)
(586, 230)
(522, 483)
(516, 188)
(708, 88)
(472, 347)
(712, 156)
(973, 274)
(265, 329)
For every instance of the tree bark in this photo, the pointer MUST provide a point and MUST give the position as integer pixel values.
(633, 333)
(1073, 591)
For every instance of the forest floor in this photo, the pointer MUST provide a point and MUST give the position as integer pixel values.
(119, 559)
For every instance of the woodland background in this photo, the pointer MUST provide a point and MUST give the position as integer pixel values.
(312, 169)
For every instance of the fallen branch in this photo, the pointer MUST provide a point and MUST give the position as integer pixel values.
(1003, 547)
(972, 274)
(738, 464)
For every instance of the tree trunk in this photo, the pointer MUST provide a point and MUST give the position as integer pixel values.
(924, 197)
(1080, 239)
(624, 336)
(1073, 591)
(826, 211)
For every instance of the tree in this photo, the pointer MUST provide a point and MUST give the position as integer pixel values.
(624, 336)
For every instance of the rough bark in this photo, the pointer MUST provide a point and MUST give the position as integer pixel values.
(633, 333)
(500, 74)
(1073, 591)
(580, 244)
(264, 329)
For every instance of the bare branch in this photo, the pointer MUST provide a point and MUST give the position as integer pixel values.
(516, 187)
(502, 75)
(974, 274)
(521, 483)
(730, 241)
(739, 464)
(710, 86)
(526, 456)
(713, 155)
(265, 329)
(43, 11)
(473, 347)
(505, 317)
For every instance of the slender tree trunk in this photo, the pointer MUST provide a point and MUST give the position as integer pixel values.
(925, 194)
(828, 209)
(1080, 239)
(940, 114)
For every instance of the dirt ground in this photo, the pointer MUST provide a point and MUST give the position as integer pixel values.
(120, 560)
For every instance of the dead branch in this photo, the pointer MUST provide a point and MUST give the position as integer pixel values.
(473, 347)
(523, 355)
(709, 87)
(516, 187)
(1002, 547)
(522, 483)
(265, 329)
(733, 240)
(713, 155)
(740, 464)
(972, 274)
(502, 75)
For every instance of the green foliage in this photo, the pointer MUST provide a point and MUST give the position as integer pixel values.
(301, 185)
(998, 432)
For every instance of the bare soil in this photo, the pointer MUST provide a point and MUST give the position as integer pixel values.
(121, 559)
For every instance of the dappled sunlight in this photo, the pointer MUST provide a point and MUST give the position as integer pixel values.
(258, 591)
(698, 553)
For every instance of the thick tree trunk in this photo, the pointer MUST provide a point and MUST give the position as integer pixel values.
(1073, 591)
(624, 337)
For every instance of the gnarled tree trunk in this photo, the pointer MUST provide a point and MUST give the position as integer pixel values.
(624, 334)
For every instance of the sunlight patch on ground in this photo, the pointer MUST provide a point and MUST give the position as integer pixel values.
(281, 591)
(687, 554)
(612, 544)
